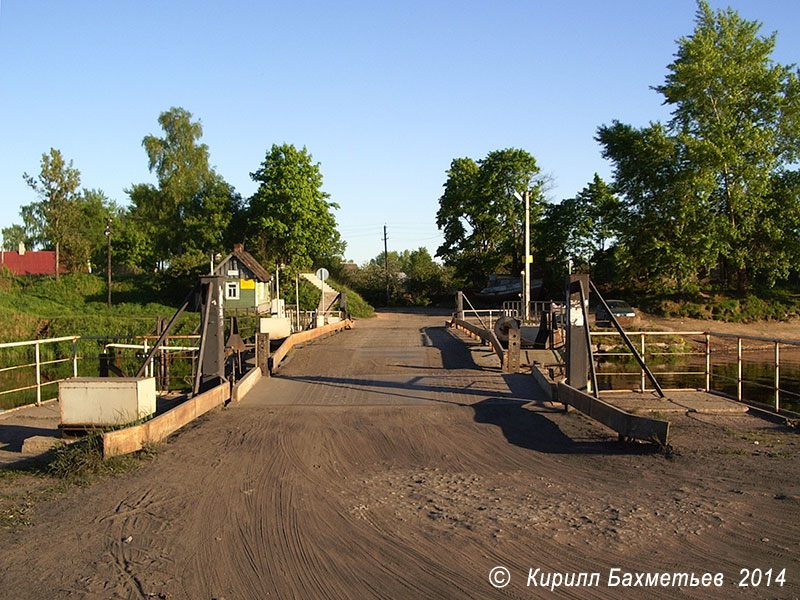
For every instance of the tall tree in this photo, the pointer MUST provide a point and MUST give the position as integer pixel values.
(190, 212)
(723, 160)
(56, 213)
(95, 210)
(738, 114)
(577, 229)
(480, 215)
(290, 218)
(666, 230)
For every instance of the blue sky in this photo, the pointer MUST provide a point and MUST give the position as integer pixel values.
(383, 94)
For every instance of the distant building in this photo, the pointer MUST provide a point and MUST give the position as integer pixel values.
(350, 267)
(24, 262)
(246, 281)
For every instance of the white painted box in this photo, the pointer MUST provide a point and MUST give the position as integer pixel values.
(278, 328)
(105, 401)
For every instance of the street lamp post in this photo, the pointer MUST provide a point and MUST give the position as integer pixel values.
(526, 274)
(527, 310)
(108, 269)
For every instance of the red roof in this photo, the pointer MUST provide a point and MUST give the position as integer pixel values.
(40, 262)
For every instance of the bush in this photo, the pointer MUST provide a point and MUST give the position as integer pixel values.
(82, 462)
(356, 305)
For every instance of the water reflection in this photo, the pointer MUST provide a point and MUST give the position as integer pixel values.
(758, 374)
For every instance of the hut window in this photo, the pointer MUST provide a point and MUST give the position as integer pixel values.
(232, 290)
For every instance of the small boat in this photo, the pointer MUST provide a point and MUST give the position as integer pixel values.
(506, 287)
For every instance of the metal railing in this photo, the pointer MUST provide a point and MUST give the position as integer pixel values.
(513, 308)
(706, 372)
(145, 348)
(38, 363)
(301, 320)
(642, 339)
(39, 381)
(776, 388)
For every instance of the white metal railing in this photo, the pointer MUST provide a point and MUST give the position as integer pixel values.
(513, 308)
(38, 363)
(38, 382)
(300, 320)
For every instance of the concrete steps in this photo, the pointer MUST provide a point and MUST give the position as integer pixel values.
(329, 295)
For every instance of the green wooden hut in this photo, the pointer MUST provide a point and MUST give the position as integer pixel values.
(246, 281)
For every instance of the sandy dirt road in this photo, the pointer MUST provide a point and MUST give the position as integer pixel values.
(384, 463)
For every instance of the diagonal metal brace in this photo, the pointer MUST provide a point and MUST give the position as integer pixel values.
(166, 331)
(627, 341)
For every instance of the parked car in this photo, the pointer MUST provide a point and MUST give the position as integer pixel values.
(621, 310)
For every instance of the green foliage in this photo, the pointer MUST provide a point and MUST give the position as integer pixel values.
(356, 305)
(82, 462)
(192, 209)
(33, 305)
(40, 307)
(481, 217)
(309, 294)
(172, 228)
(713, 190)
(13, 236)
(290, 218)
(55, 217)
(667, 235)
(96, 209)
(576, 229)
(415, 279)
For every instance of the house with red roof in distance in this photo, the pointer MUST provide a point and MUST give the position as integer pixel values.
(25, 262)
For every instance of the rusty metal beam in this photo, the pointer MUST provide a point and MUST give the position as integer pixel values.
(628, 426)
(486, 335)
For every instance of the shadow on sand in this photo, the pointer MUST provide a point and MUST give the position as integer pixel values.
(529, 427)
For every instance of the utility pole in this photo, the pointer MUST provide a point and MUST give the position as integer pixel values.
(526, 290)
(526, 273)
(108, 269)
(386, 261)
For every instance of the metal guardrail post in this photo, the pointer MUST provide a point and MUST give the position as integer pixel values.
(38, 375)
(75, 357)
(777, 377)
(739, 364)
(643, 384)
(708, 363)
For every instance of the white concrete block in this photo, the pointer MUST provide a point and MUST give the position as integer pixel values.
(105, 401)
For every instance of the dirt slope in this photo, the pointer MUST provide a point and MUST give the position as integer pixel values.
(382, 463)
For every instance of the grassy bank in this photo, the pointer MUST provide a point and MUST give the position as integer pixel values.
(41, 308)
(760, 305)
